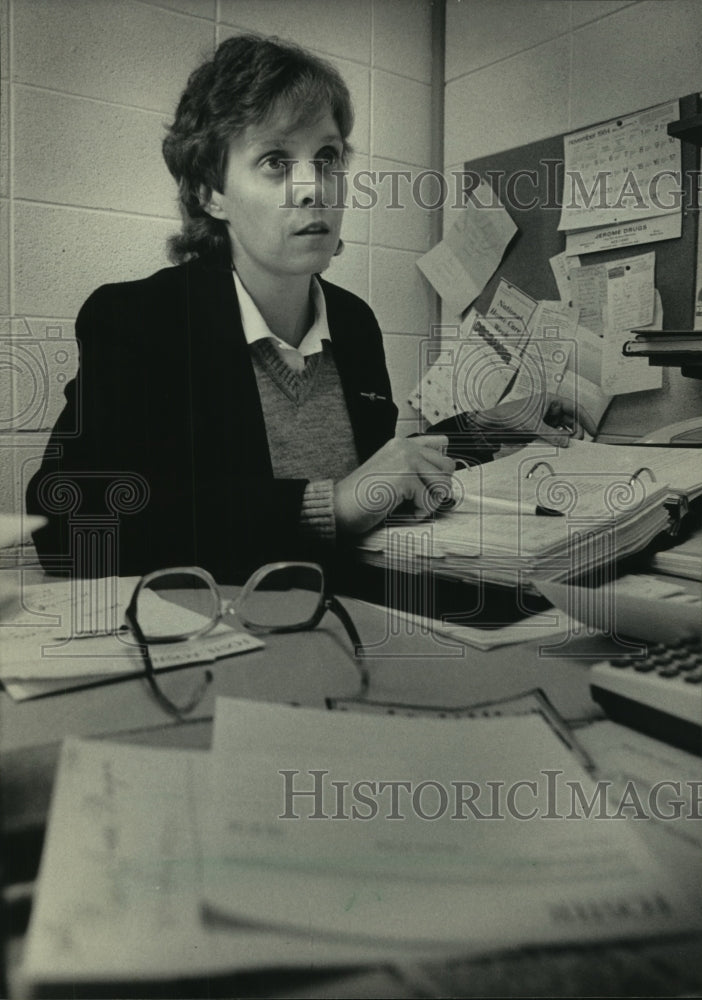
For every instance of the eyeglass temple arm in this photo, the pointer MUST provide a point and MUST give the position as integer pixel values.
(333, 604)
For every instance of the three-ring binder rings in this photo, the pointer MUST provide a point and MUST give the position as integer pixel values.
(612, 501)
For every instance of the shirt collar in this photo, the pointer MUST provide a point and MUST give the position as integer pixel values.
(256, 328)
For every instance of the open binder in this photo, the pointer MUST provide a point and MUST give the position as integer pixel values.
(558, 514)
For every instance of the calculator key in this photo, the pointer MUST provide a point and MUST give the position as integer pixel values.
(668, 671)
(644, 666)
(695, 678)
(621, 661)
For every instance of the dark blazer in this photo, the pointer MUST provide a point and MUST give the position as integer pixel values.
(172, 453)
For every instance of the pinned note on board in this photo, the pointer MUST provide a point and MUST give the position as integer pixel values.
(461, 264)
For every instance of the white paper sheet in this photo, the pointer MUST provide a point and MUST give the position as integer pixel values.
(484, 884)
(469, 373)
(561, 265)
(621, 373)
(511, 312)
(620, 170)
(119, 890)
(72, 629)
(460, 265)
(609, 610)
(665, 227)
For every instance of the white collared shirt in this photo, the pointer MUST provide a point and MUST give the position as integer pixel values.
(256, 328)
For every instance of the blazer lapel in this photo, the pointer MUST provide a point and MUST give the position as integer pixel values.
(224, 394)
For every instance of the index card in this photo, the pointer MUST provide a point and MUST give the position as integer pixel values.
(460, 265)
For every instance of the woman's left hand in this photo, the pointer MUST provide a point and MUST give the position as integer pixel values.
(549, 417)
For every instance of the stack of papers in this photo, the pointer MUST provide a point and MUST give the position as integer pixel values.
(307, 838)
(70, 633)
(544, 512)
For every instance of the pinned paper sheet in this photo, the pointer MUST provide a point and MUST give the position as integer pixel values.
(561, 265)
(460, 265)
(621, 170)
(665, 227)
(511, 312)
(621, 373)
(469, 372)
(545, 357)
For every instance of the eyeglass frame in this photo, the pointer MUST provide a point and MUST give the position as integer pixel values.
(228, 607)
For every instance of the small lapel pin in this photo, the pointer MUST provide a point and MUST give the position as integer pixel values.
(373, 396)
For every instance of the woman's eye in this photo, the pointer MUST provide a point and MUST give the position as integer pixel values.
(329, 156)
(276, 164)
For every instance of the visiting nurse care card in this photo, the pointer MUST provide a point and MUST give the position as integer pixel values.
(474, 831)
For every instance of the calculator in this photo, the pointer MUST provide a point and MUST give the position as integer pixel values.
(658, 692)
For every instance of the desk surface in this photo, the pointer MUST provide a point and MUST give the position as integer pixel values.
(405, 666)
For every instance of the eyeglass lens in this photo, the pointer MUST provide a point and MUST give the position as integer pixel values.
(283, 597)
(175, 604)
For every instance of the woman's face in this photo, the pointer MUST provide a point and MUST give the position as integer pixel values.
(284, 212)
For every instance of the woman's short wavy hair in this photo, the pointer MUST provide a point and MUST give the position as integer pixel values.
(249, 78)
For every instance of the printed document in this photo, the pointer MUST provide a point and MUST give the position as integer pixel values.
(333, 823)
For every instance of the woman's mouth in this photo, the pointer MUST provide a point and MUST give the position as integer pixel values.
(314, 229)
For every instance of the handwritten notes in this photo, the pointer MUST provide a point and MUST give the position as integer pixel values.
(460, 265)
(120, 886)
(74, 629)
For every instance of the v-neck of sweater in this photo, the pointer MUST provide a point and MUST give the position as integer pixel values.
(297, 385)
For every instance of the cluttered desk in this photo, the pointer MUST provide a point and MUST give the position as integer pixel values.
(283, 791)
(197, 854)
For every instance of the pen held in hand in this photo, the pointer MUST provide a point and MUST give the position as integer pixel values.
(499, 505)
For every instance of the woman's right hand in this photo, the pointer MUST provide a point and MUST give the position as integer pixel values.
(414, 469)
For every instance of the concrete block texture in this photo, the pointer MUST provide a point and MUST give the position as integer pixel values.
(651, 52)
(402, 37)
(39, 358)
(400, 217)
(197, 8)
(509, 103)
(63, 254)
(4, 138)
(350, 270)
(404, 355)
(401, 118)
(115, 50)
(338, 27)
(77, 151)
(482, 32)
(400, 295)
(4, 257)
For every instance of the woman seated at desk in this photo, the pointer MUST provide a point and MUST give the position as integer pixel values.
(236, 408)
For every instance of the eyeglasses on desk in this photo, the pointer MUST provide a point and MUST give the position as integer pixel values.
(278, 597)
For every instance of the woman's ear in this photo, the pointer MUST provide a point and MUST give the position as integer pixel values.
(211, 202)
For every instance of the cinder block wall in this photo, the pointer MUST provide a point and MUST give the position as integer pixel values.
(521, 70)
(85, 197)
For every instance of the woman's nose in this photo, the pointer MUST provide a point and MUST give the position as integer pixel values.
(307, 186)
